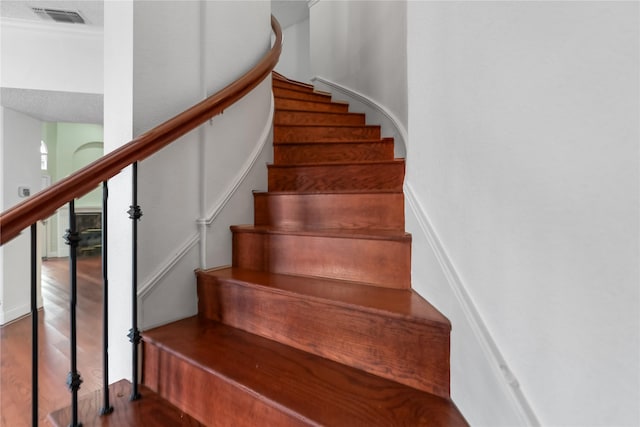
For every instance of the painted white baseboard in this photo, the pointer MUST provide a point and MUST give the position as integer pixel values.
(379, 114)
(242, 172)
(14, 313)
(491, 351)
(169, 264)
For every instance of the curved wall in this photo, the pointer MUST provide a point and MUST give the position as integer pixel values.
(165, 58)
(522, 190)
(362, 46)
(523, 151)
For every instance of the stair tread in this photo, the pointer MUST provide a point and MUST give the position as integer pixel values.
(279, 77)
(352, 141)
(372, 234)
(302, 89)
(400, 303)
(297, 93)
(332, 192)
(337, 113)
(338, 163)
(306, 105)
(337, 125)
(151, 410)
(312, 389)
(327, 101)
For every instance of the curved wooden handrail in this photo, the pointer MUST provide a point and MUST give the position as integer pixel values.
(46, 202)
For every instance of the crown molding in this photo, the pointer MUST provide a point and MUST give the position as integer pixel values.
(51, 27)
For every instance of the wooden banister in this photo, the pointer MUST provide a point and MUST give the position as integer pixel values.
(46, 202)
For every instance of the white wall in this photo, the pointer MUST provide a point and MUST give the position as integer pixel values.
(162, 58)
(295, 62)
(118, 129)
(523, 152)
(166, 81)
(224, 144)
(20, 142)
(43, 56)
(362, 46)
(522, 190)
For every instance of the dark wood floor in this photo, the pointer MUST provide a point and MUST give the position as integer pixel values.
(15, 344)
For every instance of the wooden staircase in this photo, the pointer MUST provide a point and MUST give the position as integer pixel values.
(315, 322)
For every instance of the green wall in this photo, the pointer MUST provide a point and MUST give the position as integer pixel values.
(71, 146)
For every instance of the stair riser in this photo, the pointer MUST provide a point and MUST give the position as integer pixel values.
(297, 104)
(367, 176)
(324, 133)
(296, 94)
(284, 117)
(378, 262)
(364, 340)
(332, 152)
(208, 397)
(384, 211)
(293, 86)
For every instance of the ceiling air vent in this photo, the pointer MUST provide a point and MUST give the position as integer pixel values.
(68, 16)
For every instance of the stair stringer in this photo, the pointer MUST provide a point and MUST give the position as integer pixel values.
(375, 113)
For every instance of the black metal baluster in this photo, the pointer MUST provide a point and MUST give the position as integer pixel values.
(34, 326)
(106, 407)
(135, 213)
(73, 379)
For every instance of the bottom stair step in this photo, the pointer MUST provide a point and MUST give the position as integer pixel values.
(149, 411)
(223, 376)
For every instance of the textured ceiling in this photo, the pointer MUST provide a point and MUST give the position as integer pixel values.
(50, 106)
(53, 106)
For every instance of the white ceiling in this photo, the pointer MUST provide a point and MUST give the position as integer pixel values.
(91, 10)
(288, 12)
(53, 106)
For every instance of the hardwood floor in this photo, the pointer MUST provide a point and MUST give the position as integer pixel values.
(15, 344)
